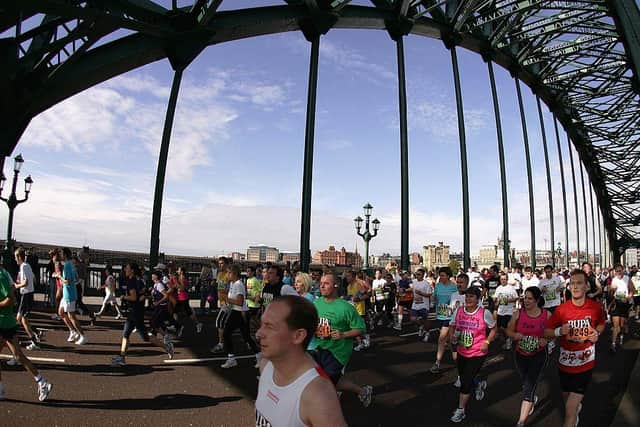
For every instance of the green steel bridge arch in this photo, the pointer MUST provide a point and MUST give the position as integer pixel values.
(581, 58)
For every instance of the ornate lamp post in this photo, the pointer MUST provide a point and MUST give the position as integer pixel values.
(13, 201)
(366, 235)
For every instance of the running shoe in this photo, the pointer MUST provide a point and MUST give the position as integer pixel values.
(36, 336)
(426, 337)
(72, 337)
(366, 341)
(199, 327)
(435, 369)
(44, 388)
(230, 363)
(168, 346)
(535, 402)
(366, 396)
(358, 347)
(218, 348)
(480, 390)
(458, 415)
(457, 384)
(117, 361)
(118, 317)
(33, 346)
(82, 340)
(13, 362)
(397, 327)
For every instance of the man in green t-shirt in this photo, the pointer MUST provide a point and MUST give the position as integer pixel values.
(339, 325)
(254, 291)
(8, 328)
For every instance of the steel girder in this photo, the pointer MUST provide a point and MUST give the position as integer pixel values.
(581, 57)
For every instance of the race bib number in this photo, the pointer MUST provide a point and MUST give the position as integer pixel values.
(621, 296)
(492, 292)
(577, 358)
(502, 301)
(550, 295)
(465, 339)
(261, 421)
(442, 310)
(579, 334)
(529, 344)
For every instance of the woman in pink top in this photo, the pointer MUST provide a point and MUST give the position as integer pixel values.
(526, 329)
(468, 331)
(182, 306)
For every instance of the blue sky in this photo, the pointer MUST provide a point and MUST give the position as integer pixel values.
(235, 162)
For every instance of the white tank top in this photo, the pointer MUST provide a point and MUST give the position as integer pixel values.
(280, 406)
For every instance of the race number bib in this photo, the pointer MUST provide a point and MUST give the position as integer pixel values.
(529, 344)
(465, 339)
(443, 310)
(502, 301)
(621, 296)
(324, 328)
(579, 334)
(550, 295)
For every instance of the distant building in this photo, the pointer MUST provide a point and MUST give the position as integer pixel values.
(262, 253)
(435, 256)
(385, 260)
(237, 256)
(290, 257)
(631, 257)
(415, 259)
(333, 257)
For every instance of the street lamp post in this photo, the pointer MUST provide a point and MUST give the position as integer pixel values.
(366, 235)
(12, 201)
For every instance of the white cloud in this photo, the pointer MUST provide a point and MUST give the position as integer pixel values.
(441, 120)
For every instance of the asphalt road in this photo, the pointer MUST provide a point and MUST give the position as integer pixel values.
(150, 392)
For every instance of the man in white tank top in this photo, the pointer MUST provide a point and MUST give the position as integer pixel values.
(293, 391)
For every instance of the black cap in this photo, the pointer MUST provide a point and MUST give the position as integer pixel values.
(474, 290)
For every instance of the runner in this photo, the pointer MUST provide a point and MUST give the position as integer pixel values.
(356, 296)
(405, 298)
(595, 288)
(552, 290)
(635, 281)
(8, 329)
(25, 284)
(222, 278)
(254, 290)
(183, 308)
(293, 391)
(505, 298)
(385, 298)
(622, 295)
(422, 291)
(67, 310)
(579, 323)
(529, 279)
(526, 328)
(339, 325)
(457, 300)
(468, 329)
(160, 316)
(442, 294)
(109, 287)
(135, 316)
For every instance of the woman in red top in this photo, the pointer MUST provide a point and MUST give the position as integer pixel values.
(578, 322)
(526, 329)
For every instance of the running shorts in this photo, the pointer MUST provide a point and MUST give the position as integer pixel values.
(405, 304)
(26, 304)
(137, 323)
(503, 321)
(439, 324)
(620, 309)
(329, 364)
(575, 383)
(221, 318)
(419, 313)
(9, 333)
(68, 306)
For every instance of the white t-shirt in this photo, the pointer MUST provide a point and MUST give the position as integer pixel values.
(237, 288)
(534, 281)
(26, 273)
(620, 288)
(515, 279)
(457, 300)
(551, 291)
(420, 302)
(378, 284)
(503, 293)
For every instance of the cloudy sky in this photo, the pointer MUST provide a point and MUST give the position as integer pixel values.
(234, 175)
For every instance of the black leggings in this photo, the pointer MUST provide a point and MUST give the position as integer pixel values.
(468, 368)
(237, 320)
(530, 370)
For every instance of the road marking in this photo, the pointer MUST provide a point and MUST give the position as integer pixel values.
(204, 359)
(35, 359)
(408, 335)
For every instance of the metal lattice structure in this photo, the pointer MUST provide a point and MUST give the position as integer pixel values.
(580, 57)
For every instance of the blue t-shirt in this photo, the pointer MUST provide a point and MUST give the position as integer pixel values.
(69, 292)
(442, 296)
(287, 280)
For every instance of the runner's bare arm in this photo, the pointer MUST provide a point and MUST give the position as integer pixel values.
(319, 405)
(511, 328)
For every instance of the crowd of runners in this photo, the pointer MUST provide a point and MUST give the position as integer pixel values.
(303, 328)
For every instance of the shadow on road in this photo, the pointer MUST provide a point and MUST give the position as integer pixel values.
(161, 402)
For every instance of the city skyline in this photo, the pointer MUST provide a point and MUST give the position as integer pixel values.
(235, 162)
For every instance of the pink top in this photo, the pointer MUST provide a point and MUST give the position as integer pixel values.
(472, 331)
(183, 295)
(532, 329)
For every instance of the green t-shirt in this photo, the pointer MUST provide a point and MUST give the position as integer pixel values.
(337, 315)
(254, 288)
(7, 316)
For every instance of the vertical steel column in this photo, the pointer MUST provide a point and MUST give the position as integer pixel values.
(463, 162)
(404, 158)
(546, 163)
(575, 200)
(586, 219)
(600, 237)
(564, 193)
(593, 222)
(162, 168)
(503, 171)
(307, 177)
(532, 214)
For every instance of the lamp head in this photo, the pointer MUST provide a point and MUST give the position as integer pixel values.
(376, 224)
(358, 222)
(17, 163)
(367, 209)
(28, 182)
